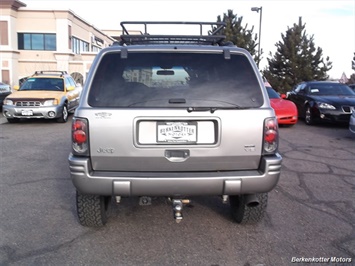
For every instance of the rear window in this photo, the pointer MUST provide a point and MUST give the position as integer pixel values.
(175, 80)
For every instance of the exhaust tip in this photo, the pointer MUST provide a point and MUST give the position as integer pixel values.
(253, 204)
(251, 201)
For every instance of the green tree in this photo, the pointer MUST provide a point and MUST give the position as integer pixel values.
(296, 59)
(239, 35)
(352, 77)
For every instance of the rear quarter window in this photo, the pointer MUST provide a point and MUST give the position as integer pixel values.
(175, 80)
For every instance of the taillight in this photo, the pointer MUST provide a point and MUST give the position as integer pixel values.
(80, 137)
(271, 136)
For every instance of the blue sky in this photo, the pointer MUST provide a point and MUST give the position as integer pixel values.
(331, 22)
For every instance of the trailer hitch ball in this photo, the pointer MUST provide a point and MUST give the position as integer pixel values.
(177, 208)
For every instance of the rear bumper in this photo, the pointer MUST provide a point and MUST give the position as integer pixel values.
(174, 183)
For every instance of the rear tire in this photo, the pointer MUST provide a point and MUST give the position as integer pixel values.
(243, 214)
(92, 209)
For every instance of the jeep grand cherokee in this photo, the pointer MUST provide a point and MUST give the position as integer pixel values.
(174, 116)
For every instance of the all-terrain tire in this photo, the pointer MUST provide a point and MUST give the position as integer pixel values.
(243, 214)
(92, 209)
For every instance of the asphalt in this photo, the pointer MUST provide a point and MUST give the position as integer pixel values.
(2, 120)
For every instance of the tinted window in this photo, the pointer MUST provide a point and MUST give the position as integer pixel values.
(175, 80)
(70, 82)
(352, 87)
(37, 41)
(272, 93)
(329, 89)
(300, 88)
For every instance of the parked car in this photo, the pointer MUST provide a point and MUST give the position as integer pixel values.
(285, 110)
(323, 101)
(174, 116)
(352, 117)
(46, 94)
(352, 122)
(5, 90)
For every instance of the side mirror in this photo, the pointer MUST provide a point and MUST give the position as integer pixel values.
(283, 96)
(16, 87)
(70, 88)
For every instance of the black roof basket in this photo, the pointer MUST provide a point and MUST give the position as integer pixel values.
(213, 37)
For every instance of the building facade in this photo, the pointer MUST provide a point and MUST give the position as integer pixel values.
(32, 40)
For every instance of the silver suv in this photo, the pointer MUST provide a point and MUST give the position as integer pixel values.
(174, 116)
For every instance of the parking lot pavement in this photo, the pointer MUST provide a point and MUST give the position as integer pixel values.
(309, 219)
(2, 119)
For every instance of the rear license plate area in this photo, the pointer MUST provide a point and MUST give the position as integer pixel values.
(177, 132)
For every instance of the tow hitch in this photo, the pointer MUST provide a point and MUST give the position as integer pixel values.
(177, 208)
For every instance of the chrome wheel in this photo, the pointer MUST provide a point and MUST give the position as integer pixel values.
(64, 117)
(308, 117)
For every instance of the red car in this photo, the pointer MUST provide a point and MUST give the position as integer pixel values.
(285, 110)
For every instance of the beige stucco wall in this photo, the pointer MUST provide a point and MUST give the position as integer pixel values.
(40, 21)
(22, 63)
(8, 54)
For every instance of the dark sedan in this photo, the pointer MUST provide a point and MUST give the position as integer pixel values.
(5, 91)
(326, 101)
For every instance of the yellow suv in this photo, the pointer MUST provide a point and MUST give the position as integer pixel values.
(46, 94)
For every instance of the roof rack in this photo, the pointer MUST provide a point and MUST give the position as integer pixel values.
(44, 72)
(214, 36)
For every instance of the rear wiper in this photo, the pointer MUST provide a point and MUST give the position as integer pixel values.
(201, 109)
(212, 109)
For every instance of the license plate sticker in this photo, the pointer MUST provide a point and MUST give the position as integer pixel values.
(27, 112)
(177, 132)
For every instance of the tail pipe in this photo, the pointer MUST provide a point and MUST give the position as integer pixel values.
(251, 200)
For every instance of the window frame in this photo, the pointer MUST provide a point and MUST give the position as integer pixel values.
(79, 46)
(26, 41)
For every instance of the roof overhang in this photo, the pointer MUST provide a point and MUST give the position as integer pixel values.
(13, 4)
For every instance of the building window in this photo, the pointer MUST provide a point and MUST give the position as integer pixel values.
(4, 38)
(69, 32)
(95, 48)
(37, 41)
(5, 76)
(79, 46)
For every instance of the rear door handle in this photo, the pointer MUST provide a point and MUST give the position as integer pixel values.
(177, 155)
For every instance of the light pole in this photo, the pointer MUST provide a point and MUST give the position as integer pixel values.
(257, 9)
